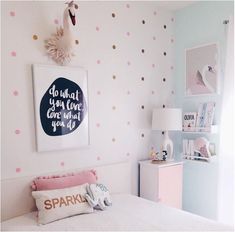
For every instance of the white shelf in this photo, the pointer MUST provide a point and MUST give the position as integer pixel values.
(196, 158)
(202, 130)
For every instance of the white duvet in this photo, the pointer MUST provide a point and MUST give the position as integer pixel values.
(127, 213)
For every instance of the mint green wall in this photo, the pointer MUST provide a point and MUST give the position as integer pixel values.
(200, 23)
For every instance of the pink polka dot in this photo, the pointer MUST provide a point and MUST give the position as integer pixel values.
(18, 170)
(15, 93)
(12, 13)
(152, 148)
(56, 21)
(17, 131)
(128, 63)
(97, 28)
(172, 40)
(154, 37)
(98, 92)
(127, 5)
(155, 13)
(153, 65)
(97, 125)
(98, 61)
(62, 163)
(98, 158)
(13, 53)
(128, 33)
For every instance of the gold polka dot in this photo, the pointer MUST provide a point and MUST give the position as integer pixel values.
(76, 41)
(35, 37)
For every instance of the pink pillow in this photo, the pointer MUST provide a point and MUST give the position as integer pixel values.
(64, 181)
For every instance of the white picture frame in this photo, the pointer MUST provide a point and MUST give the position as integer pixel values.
(61, 107)
(202, 70)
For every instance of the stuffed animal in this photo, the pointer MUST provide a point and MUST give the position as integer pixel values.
(98, 196)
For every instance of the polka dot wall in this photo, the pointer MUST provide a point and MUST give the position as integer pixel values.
(126, 48)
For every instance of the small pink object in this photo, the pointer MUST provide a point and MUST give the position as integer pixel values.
(98, 92)
(62, 164)
(201, 145)
(97, 125)
(13, 53)
(97, 28)
(15, 93)
(153, 65)
(98, 61)
(98, 158)
(18, 170)
(17, 131)
(128, 33)
(12, 13)
(56, 21)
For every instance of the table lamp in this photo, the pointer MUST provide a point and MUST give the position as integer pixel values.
(167, 119)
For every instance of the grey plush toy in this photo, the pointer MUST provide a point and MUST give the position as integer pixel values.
(98, 196)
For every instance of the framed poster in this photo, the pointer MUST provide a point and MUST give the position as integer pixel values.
(202, 70)
(61, 107)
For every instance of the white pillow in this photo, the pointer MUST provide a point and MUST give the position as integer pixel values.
(60, 203)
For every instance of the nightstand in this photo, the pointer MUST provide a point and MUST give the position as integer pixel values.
(162, 182)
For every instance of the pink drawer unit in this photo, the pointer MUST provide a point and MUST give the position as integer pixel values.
(162, 182)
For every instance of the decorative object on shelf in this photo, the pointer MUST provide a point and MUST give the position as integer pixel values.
(167, 119)
(157, 156)
(197, 149)
(61, 107)
(59, 47)
(202, 69)
(189, 122)
(205, 116)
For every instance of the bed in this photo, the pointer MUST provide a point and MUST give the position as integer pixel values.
(128, 212)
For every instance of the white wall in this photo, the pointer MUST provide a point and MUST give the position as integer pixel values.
(97, 31)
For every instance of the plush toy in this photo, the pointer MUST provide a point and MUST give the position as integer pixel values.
(98, 196)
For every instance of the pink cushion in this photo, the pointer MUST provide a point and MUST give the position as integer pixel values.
(64, 181)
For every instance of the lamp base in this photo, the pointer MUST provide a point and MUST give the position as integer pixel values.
(167, 145)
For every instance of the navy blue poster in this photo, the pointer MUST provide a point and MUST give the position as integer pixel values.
(62, 108)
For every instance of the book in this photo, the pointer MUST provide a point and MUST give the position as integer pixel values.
(189, 122)
(209, 116)
(201, 116)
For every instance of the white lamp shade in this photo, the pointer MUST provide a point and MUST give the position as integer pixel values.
(167, 119)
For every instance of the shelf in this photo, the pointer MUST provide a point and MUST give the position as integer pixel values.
(196, 158)
(202, 130)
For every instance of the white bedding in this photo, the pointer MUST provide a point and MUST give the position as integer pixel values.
(127, 213)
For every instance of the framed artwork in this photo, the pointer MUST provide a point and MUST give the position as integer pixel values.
(202, 70)
(61, 107)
